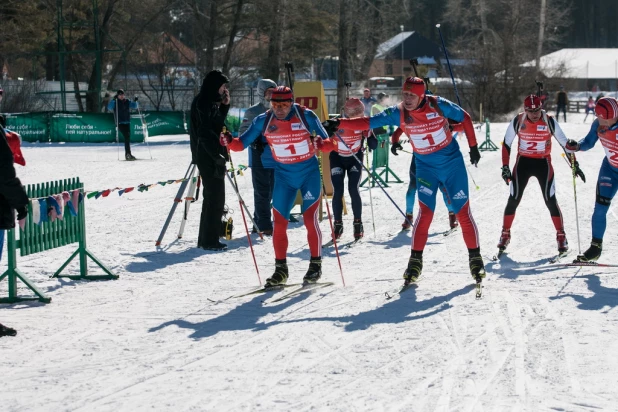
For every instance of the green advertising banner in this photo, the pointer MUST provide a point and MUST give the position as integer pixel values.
(158, 123)
(33, 127)
(82, 127)
(92, 127)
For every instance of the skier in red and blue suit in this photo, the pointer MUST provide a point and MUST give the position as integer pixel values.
(605, 129)
(294, 135)
(439, 161)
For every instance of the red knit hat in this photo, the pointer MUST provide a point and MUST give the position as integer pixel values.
(532, 102)
(281, 94)
(606, 108)
(354, 107)
(414, 85)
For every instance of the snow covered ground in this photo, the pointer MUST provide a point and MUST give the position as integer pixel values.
(539, 340)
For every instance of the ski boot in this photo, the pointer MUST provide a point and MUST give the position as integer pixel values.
(280, 276)
(415, 268)
(358, 229)
(505, 239)
(593, 253)
(407, 223)
(452, 220)
(129, 156)
(563, 245)
(338, 229)
(477, 267)
(314, 273)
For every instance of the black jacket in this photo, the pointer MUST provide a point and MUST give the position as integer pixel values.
(12, 194)
(207, 120)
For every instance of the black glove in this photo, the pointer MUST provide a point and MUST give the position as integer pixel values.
(396, 146)
(506, 174)
(372, 143)
(475, 155)
(578, 172)
(572, 145)
(22, 212)
(331, 126)
(135, 98)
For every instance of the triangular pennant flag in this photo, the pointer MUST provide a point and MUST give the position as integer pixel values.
(106, 193)
(128, 189)
(92, 194)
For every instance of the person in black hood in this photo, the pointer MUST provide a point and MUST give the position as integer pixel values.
(208, 112)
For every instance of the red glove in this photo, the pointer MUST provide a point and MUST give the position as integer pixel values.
(14, 141)
(324, 145)
(225, 138)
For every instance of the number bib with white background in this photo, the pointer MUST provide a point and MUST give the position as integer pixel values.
(609, 140)
(289, 140)
(427, 129)
(534, 139)
(352, 139)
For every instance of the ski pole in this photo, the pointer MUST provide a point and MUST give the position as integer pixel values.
(117, 140)
(144, 128)
(373, 220)
(368, 171)
(448, 62)
(330, 220)
(579, 248)
(242, 211)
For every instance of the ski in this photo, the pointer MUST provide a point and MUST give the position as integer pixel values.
(451, 230)
(401, 289)
(479, 288)
(306, 287)
(559, 256)
(584, 264)
(256, 292)
(328, 244)
(350, 244)
(498, 255)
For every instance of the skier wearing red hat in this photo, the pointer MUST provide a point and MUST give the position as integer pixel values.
(604, 128)
(289, 129)
(535, 128)
(424, 118)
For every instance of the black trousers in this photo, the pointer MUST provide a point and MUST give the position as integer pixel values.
(125, 129)
(263, 180)
(525, 168)
(213, 202)
(339, 166)
(559, 108)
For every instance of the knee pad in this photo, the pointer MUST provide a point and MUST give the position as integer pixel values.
(605, 201)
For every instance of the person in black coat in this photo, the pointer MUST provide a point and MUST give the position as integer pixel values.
(12, 197)
(208, 112)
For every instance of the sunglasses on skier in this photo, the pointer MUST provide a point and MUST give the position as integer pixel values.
(533, 111)
(281, 105)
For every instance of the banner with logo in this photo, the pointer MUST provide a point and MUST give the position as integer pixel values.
(82, 127)
(33, 127)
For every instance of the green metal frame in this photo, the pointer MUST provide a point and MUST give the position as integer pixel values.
(50, 235)
(487, 145)
(383, 151)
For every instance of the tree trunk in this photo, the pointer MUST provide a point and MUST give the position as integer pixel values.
(343, 72)
(209, 62)
(230, 41)
(539, 46)
(273, 62)
(92, 100)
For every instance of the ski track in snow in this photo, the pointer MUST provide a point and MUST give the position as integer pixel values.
(538, 340)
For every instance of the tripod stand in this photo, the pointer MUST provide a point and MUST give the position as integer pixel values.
(190, 181)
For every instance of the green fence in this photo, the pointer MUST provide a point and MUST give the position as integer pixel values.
(47, 235)
(33, 127)
(380, 161)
